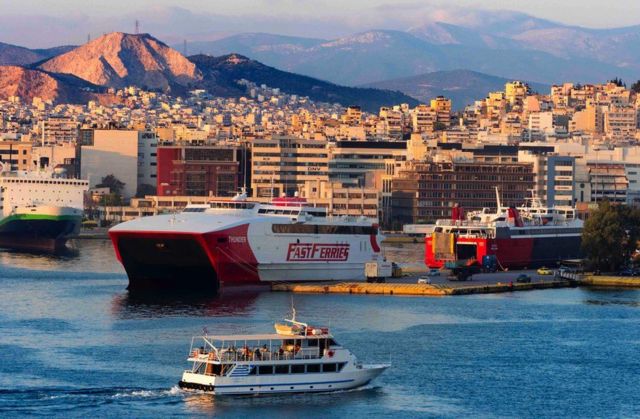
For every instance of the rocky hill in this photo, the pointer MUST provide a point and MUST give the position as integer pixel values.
(118, 59)
(29, 83)
(221, 74)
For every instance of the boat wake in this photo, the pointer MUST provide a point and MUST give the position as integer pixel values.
(39, 400)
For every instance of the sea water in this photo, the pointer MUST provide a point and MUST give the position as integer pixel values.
(74, 343)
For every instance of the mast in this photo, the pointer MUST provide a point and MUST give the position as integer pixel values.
(498, 199)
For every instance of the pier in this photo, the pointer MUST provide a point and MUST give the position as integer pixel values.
(426, 290)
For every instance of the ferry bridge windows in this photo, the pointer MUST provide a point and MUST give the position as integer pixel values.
(265, 369)
(329, 367)
(282, 369)
(322, 229)
(311, 368)
(297, 369)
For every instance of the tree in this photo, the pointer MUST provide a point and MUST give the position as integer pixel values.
(145, 189)
(618, 82)
(610, 236)
(111, 200)
(635, 87)
(113, 183)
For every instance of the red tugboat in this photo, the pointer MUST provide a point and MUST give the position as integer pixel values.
(524, 237)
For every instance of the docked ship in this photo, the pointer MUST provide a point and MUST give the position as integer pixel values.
(529, 236)
(297, 359)
(40, 210)
(241, 243)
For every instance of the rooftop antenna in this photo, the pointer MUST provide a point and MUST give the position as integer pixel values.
(137, 27)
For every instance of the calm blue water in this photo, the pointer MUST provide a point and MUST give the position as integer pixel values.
(74, 343)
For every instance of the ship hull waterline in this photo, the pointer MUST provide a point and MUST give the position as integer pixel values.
(38, 233)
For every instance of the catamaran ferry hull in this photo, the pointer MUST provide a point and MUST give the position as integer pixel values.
(248, 254)
(312, 383)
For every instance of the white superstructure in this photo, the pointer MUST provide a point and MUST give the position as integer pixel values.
(298, 358)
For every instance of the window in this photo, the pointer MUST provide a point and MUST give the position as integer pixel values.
(329, 368)
(313, 368)
(282, 369)
(297, 369)
(321, 229)
(265, 369)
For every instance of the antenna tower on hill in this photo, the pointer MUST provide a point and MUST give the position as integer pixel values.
(137, 27)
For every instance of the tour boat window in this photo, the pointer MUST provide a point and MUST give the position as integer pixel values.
(333, 343)
(297, 369)
(282, 369)
(329, 368)
(265, 369)
(262, 211)
(312, 342)
(313, 367)
(438, 230)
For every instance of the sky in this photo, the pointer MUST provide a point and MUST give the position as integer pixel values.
(46, 23)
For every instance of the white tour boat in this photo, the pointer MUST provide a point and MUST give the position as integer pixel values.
(298, 358)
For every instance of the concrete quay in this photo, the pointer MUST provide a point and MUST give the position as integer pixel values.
(610, 281)
(414, 289)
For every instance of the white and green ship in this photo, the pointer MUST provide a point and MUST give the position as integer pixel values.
(39, 210)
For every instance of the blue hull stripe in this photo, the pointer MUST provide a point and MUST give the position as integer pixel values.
(282, 384)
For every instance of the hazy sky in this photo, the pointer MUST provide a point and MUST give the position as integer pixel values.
(43, 23)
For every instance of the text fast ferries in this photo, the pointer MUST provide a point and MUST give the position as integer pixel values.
(236, 242)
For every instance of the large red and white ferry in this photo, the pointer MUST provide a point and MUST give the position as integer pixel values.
(241, 243)
(527, 236)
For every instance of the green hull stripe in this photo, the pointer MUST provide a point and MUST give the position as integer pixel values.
(29, 217)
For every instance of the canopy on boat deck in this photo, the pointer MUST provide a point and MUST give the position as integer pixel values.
(266, 336)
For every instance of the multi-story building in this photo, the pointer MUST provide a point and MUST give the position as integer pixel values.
(515, 92)
(442, 108)
(423, 119)
(620, 122)
(55, 155)
(199, 170)
(540, 125)
(106, 152)
(425, 192)
(282, 164)
(370, 164)
(341, 199)
(147, 160)
(608, 181)
(15, 155)
(59, 129)
(353, 116)
(554, 177)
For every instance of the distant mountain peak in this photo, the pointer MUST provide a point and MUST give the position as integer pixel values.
(118, 59)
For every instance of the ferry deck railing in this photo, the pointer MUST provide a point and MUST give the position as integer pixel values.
(253, 351)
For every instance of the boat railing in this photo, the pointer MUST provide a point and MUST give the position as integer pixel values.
(229, 355)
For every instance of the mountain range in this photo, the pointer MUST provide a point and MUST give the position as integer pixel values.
(116, 60)
(511, 45)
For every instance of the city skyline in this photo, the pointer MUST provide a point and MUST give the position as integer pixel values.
(70, 22)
